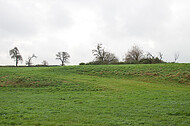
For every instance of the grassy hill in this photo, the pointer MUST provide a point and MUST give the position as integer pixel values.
(155, 94)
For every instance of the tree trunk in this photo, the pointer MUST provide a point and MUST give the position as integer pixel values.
(62, 64)
(16, 62)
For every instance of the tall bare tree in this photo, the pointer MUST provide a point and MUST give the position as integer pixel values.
(29, 61)
(103, 56)
(135, 54)
(99, 53)
(15, 54)
(176, 56)
(63, 57)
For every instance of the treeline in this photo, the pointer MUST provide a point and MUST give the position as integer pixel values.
(135, 55)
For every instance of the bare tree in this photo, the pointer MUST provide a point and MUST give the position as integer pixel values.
(15, 54)
(176, 56)
(44, 63)
(110, 58)
(29, 62)
(134, 55)
(102, 56)
(63, 57)
(99, 53)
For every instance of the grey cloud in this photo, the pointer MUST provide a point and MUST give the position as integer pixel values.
(58, 16)
(16, 20)
(45, 27)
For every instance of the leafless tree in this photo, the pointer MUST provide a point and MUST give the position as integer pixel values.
(176, 56)
(29, 62)
(15, 54)
(135, 54)
(102, 56)
(63, 57)
(44, 63)
(110, 58)
(99, 53)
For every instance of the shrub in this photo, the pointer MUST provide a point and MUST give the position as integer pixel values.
(82, 64)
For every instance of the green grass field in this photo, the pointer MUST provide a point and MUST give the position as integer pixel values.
(110, 95)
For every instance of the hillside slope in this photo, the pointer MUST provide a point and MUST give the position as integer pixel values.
(95, 95)
(156, 73)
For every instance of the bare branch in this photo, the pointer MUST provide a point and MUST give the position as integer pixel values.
(176, 56)
(29, 62)
(160, 55)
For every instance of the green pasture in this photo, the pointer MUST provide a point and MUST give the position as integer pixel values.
(157, 94)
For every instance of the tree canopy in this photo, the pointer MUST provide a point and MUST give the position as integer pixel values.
(15, 54)
(63, 57)
(134, 55)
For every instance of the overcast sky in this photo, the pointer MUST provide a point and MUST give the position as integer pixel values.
(45, 27)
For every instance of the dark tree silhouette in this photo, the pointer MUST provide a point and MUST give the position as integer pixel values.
(63, 57)
(29, 62)
(14, 53)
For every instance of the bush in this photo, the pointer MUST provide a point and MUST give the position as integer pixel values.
(151, 60)
(82, 64)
